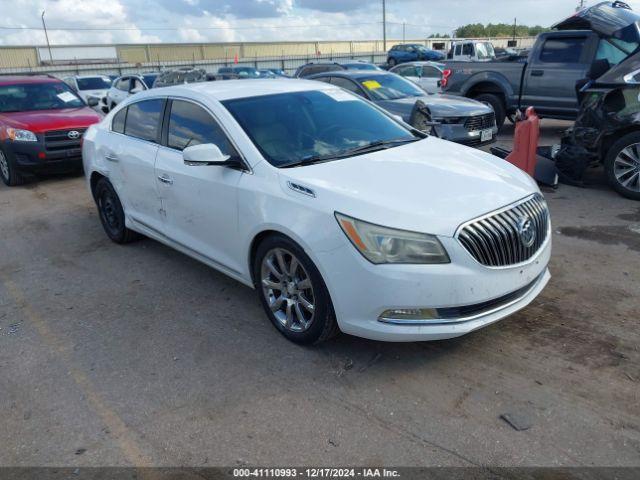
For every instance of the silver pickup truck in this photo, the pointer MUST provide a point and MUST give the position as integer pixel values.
(547, 79)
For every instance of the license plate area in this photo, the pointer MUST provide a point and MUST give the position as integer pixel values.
(486, 135)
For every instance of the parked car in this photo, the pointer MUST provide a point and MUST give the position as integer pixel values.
(178, 76)
(606, 130)
(239, 72)
(278, 72)
(556, 62)
(312, 68)
(126, 85)
(360, 65)
(42, 121)
(471, 51)
(340, 216)
(89, 86)
(459, 119)
(427, 75)
(412, 52)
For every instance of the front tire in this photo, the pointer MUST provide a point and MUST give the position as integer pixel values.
(112, 214)
(8, 171)
(622, 164)
(495, 102)
(292, 292)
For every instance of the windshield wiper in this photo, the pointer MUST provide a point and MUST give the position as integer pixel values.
(368, 148)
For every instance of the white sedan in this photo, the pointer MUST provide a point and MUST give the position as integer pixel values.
(339, 215)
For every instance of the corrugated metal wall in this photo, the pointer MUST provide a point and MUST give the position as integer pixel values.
(17, 57)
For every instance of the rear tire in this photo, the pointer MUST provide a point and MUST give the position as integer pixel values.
(495, 102)
(112, 214)
(622, 164)
(292, 291)
(8, 171)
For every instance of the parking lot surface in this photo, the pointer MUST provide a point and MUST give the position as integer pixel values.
(138, 355)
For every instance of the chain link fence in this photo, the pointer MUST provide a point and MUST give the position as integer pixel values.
(287, 63)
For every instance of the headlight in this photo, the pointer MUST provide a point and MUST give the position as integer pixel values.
(387, 245)
(449, 120)
(18, 135)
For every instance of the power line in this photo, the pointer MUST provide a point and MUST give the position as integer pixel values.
(185, 27)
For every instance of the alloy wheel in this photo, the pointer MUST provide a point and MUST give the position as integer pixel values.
(288, 290)
(4, 166)
(626, 167)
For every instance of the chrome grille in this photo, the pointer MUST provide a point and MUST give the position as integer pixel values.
(55, 140)
(495, 240)
(480, 122)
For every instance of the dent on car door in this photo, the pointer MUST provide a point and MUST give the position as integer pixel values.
(199, 203)
(131, 155)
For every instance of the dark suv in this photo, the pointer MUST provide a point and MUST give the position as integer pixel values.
(42, 121)
(317, 67)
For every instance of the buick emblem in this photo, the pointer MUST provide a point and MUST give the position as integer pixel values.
(73, 134)
(526, 231)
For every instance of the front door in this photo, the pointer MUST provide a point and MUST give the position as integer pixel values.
(200, 203)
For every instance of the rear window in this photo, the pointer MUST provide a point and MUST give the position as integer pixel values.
(562, 50)
(37, 96)
(143, 119)
(94, 83)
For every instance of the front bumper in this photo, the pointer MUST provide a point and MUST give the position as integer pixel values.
(459, 134)
(34, 157)
(361, 292)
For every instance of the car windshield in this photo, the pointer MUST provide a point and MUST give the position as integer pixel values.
(37, 96)
(485, 50)
(303, 127)
(389, 87)
(246, 72)
(94, 83)
(149, 79)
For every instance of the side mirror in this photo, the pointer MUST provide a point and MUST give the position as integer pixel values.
(204, 154)
(93, 101)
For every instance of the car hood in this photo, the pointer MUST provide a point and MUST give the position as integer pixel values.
(440, 106)
(607, 19)
(39, 121)
(429, 186)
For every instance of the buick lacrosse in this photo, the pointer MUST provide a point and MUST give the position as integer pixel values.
(342, 217)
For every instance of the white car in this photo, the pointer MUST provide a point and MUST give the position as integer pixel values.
(127, 85)
(427, 75)
(87, 86)
(339, 215)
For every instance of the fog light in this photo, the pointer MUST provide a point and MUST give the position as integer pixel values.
(409, 314)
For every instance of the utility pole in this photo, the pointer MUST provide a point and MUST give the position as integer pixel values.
(44, 25)
(403, 30)
(384, 25)
(515, 23)
(581, 6)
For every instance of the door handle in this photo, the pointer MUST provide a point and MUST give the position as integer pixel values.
(111, 157)
(537, 73)
(165, 179)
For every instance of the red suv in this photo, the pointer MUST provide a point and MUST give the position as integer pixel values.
(41, 126)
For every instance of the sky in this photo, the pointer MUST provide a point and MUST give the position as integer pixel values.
(134, 21)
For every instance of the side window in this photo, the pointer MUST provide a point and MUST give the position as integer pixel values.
(467, 49)
(190, 124)
(123, 84)
(608, 51)
(431, 72)
(322, 79)
(137, 85)
(143, 119)
(346, 84)
(405, 71)
(117, 124)
(458, 49)
(562, 50)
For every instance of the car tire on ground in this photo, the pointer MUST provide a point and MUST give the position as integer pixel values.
(112, 214)
(8, 171)
(495, 102)
(392, 62)
(622, 164)
(292, 291)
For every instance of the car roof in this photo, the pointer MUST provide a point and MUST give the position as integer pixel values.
(355, 74)
(420, 63)
(232, 89)
(24, 79)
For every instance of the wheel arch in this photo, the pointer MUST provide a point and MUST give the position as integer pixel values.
(93, 181)
(609, 139)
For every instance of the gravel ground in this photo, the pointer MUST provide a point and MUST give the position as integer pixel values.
(138, 355)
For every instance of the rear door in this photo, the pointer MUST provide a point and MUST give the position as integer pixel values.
(430, 79)
(131, 156)
(200, 203)
(555, 67)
